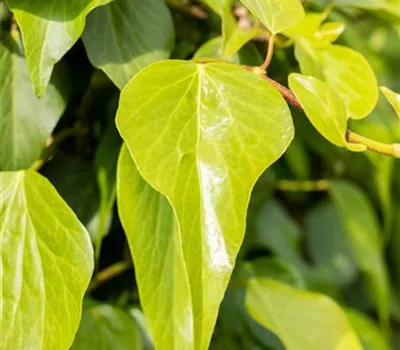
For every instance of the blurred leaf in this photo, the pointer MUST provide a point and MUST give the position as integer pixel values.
(393, 98)
(138, 33)
(330, 31)
(44, 249)
(276, 15)
(278, 232)
(345, 70)
(49, 29)
(327, 244)
(26, 121)
(106, 166)
(141, 322)
(368, 332)
(298, 160)
(394, 252)
(365, 240)
(107, 327)
(324, 108)
(216, 168)
(302, 320)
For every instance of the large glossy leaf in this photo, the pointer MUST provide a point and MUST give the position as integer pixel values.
(46, 264)
(324, 108)
(393, 99)
(138, 33)
(107, 327)
(345, 70)
(155, 244)
(276, 15)
(365, 240)
(192, 137)
(49, 29)
(302, 320)
(26, 121)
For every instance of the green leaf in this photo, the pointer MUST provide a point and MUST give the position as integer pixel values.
(345, 70)
(151, 230)
(370, 335)
(188, 129)
(365, 240)
(302, 320)
(138, 33)
(49, 29)
(107, 327)
(330, 31)
(26, 121)
(393, 99)
(324, 108)
(307, 27)
(276, 15)
(46, 264)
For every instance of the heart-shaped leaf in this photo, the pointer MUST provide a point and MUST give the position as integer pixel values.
(201, 134)
(26, 121)
(345, 70)
(46, 264)
(276, 15)
(49, 29)
(302, 320)
(324, 108)
(138, 33)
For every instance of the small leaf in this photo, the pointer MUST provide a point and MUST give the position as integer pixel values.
(47, 262)
(49, 29)
(191, 135)
(393, 98)
(302, 320)
(307, 27)
(365, 240)
(276, 15)
(345, 70)
(138, 33)
(107, 327)
(330, 31)
(324, 108)
(26, 121)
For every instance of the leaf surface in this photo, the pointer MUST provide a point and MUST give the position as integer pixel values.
(49, 29)
(26, 121)
(138, 33)
(393, 99)
(46, 264)
(302, 320)
(276, 15)
(201, 135)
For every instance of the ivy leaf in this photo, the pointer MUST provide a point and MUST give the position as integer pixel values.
(365, 241)
(49, 29)
(47, 262)
(138, 33)
(26, 121)
(393, 99)
(193, 139)
(302, 320)
(330, 31)
(276, 15)
(345, 70)
(107, 327)
(324, 108)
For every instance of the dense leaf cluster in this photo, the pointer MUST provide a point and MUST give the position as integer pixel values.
(195, 175)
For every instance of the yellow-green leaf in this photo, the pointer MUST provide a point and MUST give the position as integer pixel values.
(345, 70)
(302, 320)
(201, 135)
(324, 108)
(276, 15)
(138, 33)
(46, 264)
(25, 120)
(49, 29)
(393, 99)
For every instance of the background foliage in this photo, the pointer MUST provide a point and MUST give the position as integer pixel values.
(314, 262)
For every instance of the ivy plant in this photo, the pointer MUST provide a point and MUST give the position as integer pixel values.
(192, 175)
